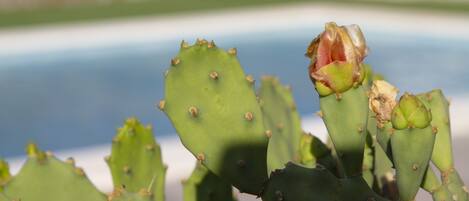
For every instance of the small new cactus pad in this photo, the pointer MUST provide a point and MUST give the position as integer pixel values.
(346, 121)
(442, 155)
(412, 144)
(313, 151)
(44, 178)
(4, 173)
(213, 106)
(135, 161)
(282, 122)
(203, 185)
(121, 194)
(296, 182)
(455, 185)
(432, 185)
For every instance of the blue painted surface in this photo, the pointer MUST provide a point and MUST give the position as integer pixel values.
(78, 98)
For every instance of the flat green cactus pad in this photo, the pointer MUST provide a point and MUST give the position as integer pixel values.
(293, 181)
(203, 185)
(135, 161)
(45, 178)
(282, 121)
(346, 116)
(213, 106)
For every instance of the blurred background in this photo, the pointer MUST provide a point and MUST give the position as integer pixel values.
(71, 71)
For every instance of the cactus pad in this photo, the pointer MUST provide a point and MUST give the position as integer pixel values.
(44, 178)
(203, 185)
(5, 175)
(282, 121)
(313, 151)
(213, 106)
(135, 160)
(346, 116)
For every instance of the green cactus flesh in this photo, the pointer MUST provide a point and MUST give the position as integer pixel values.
(345, 116)
(293, 181)
(282, 122)
(121, 194)
(5, 175)
(442, 155)
(383, 137)
(203, 185)
(3, 197)
(213, 106)
(455, 186)
(135, 161)
(313, 151)
(44, 178)
(368, 161)
(432, 185)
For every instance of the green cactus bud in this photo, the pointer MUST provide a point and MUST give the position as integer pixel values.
(4, 173)
(313, 151)
(204, 185)
(135, 160)
(46, 178)
(410, 112)
(282, 120)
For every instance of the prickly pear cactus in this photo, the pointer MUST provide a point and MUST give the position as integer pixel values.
(203, 185)
(44, 178)
(5, 175)
(213, 106)
(338, 75)
(120, 194)
(3, 197)
(135, 161)
(368, 161)
(412, 144)
(282, 122)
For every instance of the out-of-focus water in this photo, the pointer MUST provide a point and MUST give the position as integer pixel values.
(76, 98)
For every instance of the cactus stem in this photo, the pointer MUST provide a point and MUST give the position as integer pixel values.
(201, 157)
(250, 79)
(268, 133)
(232, 51)
(248, 116)
(193, 111)
(213, 75)
(175, 61)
